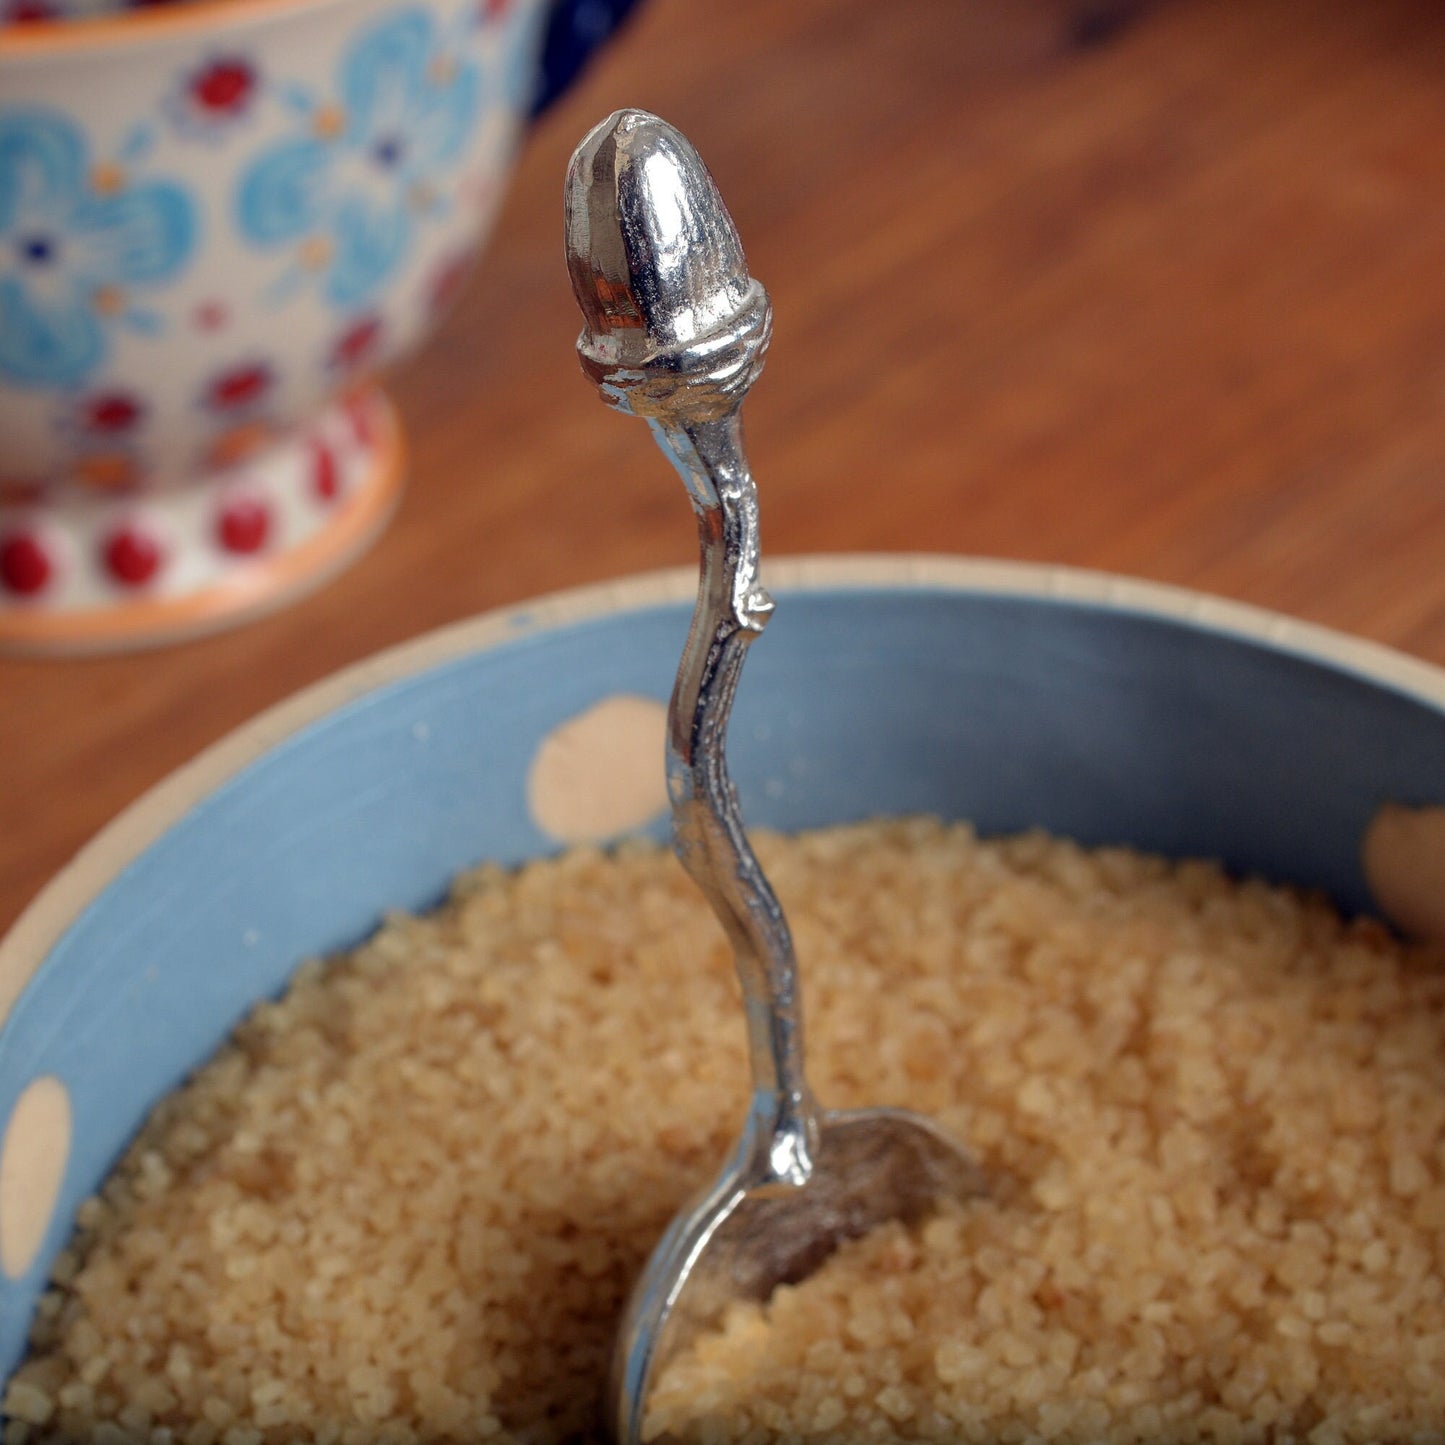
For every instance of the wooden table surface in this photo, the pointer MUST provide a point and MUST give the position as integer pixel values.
(1156, 288)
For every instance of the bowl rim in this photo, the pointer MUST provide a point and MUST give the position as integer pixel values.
(99, 862)
(178, 19)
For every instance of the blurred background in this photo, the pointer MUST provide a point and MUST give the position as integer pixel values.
(1155, 288)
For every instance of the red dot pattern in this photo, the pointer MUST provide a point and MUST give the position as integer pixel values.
(135, 551)
(240, 387)
(132, 556)
(225, 85)
(357, 344)
(244, 525)
(211, 315)
(28, 12)
(25, 564)
(112, 411)
(361, 425)
(325, 475)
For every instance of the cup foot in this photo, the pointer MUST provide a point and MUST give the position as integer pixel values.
(107, 574)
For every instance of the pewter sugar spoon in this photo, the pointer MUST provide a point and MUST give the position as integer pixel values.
(675, 331)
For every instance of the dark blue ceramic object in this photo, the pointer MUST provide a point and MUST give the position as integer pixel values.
(576, 30)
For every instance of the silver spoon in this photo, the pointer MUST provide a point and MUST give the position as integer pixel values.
(675, 331)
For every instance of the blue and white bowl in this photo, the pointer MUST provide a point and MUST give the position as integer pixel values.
(1012, 695)
(218, 218)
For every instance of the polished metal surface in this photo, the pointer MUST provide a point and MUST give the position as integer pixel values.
(675, 331)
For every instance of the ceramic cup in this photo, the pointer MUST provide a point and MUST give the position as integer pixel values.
(1010, 695)
(217, 218)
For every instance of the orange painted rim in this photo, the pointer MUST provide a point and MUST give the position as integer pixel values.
(266, 584)
(171, 18)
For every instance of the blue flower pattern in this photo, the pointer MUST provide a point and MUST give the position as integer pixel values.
(351, 191)
(71, 253)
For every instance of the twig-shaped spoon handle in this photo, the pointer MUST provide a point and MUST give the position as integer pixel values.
(675, 331)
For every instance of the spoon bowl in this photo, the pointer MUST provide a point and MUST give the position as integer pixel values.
(742, 1238)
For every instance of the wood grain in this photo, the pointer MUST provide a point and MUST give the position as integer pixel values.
(1158, 288)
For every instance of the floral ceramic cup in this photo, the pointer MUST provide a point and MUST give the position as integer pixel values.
(216, 219)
